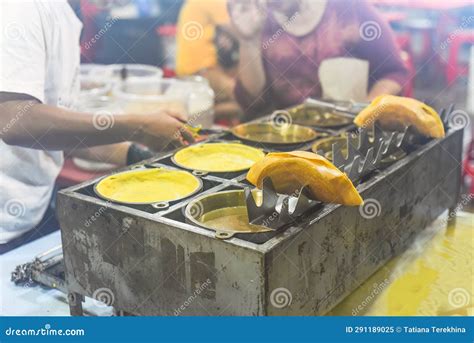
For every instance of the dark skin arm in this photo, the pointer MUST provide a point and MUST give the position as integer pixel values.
(26, 122)
(247, 19)
(384, 86)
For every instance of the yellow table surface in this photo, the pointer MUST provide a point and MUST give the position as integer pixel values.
(434, 277)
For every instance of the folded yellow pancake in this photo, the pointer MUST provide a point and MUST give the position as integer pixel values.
(395, 113)
(289, 171)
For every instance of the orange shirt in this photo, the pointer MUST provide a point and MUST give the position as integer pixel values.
(195, 34)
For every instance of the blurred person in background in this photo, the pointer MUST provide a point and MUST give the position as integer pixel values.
(283, 44)
(38, 83)
(206, 46)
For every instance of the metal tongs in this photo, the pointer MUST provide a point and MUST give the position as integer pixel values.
(350, 111)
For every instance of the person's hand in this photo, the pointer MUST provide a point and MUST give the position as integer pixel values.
(248, 17)
(224, 38)
(161, 130)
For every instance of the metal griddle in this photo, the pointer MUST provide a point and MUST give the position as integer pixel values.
(153, 262)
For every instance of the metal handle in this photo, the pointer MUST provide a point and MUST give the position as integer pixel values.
(344, 111)
(320, 103)
(235, 141)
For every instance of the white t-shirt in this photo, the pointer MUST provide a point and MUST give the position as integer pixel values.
(40, 57)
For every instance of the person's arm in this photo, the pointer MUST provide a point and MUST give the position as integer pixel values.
(222, 83)
(387, 73)
(250, 91)
(27, 122)
(251, 71)
(384, 86)
(247, 19)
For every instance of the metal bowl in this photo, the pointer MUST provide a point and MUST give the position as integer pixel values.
(317, 117)
(272, 133)
(139, 183)
(325, 145)
(224, 212)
